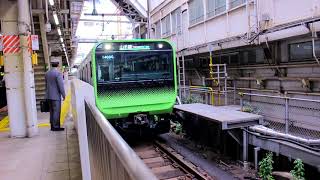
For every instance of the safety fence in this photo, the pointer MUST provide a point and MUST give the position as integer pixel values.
(294, 116)
(110, 156)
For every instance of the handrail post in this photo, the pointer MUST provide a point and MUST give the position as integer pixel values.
(241, 100)
(225, 86)
(287, 114)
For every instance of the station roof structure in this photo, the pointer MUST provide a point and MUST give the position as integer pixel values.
(106, 18)
(70, 12)
(136, 10)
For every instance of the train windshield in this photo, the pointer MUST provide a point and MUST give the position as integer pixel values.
(134, 65)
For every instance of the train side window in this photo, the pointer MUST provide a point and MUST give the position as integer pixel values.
(87, 75)
(90, 69)
(82, 74)
(83, 71)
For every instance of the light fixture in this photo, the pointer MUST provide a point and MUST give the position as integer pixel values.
(160, 46)
(107, 46)
(61, 39)
(63, 46)
(51, 2)
(59, 31)
(55, 17)
(67, 59)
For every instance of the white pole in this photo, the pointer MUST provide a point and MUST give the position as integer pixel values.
(13, 77)
(149, 19)
(28, 75)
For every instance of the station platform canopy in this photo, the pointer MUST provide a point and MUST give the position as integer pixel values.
(136, 10)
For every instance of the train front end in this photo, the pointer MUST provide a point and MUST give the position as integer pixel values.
(135, 83)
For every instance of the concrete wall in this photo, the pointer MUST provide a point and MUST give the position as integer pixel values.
(234, 21)
(239, 22)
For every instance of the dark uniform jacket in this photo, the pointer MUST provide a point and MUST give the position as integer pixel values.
(54, 85)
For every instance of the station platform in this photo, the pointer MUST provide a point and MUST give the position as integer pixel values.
(51, 155)
(48, 156)
(230, 117)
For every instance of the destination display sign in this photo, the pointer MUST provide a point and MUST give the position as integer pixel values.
(133, 46)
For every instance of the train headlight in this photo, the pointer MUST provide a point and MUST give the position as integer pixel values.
(107, 46)
(160, 46)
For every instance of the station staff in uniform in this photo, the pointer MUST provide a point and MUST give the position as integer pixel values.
(54, 91)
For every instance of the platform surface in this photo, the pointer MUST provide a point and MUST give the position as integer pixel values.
(48, 156)
(229, 116)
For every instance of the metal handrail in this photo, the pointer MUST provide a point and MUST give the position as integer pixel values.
(280, 97)
(113, 143)
(209, 90)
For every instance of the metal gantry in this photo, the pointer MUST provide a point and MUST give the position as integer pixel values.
(181, 75)
(219, 76)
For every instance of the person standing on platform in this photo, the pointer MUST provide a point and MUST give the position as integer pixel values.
(54, 91)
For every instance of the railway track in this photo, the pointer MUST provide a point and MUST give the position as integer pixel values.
(165, 163)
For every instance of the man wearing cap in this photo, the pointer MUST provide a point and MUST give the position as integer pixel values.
(54, 91)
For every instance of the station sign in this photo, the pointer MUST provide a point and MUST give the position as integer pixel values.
(35, 42)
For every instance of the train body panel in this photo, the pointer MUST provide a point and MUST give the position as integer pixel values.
(121, 104)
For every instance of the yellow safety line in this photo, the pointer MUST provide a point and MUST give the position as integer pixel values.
(4, 129)
(4, 123)
(44, 125)
(39, 125)
(65, 108)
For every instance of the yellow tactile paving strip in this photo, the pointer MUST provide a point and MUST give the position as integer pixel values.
(4, 123)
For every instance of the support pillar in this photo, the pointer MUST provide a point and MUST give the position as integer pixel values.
(256, 150)
(13, 72)
(245, 150)
(19, 75)
(28, 74)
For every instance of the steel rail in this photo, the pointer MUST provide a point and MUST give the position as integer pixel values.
(185, 167)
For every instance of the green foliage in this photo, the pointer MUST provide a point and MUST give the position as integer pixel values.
(298, 170)
(247, 107)
(265, 167)
(191, 99)
(178, 129)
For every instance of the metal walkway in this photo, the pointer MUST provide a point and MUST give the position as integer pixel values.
(228, 116)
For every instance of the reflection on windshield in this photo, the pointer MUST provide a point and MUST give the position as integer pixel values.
(134, 66)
